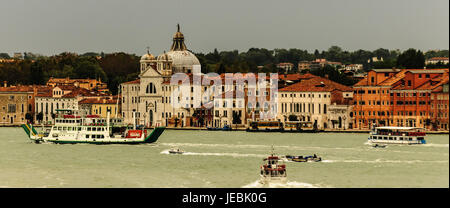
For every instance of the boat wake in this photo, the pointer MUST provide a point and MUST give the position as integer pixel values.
(435, 145)
(289, 184)
(217, 154)
(246, 146)
(384, 161)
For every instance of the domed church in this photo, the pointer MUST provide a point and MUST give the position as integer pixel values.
(146, 101)
(178, 60)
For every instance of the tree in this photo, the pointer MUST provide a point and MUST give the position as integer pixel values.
(411, 59)
(4, 56)
(87, 69)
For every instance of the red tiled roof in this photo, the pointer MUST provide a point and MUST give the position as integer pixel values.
(26, 88)
(316, 84)
(82, 92)
(293, 77)
(439, 58)
(137, 81)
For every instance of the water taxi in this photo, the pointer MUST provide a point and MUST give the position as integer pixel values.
(272, 172)
(70, 129)
(397, 135)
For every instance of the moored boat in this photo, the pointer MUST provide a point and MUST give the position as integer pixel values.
(299, 127)
(225, 128)
(265, 126)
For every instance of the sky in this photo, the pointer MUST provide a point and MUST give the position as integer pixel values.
(51, 27)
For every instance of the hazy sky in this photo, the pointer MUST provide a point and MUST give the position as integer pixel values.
(54, 26)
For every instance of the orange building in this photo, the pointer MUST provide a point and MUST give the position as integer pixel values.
(394, 97)
(89, 84)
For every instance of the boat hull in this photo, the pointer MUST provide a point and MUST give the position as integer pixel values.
(151, 138)
(396, 141)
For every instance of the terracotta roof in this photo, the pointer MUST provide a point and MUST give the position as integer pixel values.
(316, 84)
(82, 92)
(23, 88)
(397, 76)
(26, 88)
(293, 77)
(137, 81)
(439, 58)
(66, 87)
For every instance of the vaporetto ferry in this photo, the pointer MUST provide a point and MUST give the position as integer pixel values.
(397, 135)
(71, 129)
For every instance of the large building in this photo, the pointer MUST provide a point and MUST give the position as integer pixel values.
(394, 97)
(147, 100)
(436, 60)
(65, 97)
(17, 103)
(325, 103)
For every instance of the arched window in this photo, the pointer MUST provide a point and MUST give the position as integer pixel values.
(151, 88)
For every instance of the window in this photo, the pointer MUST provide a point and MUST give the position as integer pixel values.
(11, 108)
(151, 88)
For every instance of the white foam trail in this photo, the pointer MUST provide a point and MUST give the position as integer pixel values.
(384, 161)
(218, 154)
(435, 145)
(288, 184)
(255, 146)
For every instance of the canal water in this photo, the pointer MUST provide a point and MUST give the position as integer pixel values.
(222, 159)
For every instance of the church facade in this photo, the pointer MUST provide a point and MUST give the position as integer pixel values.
(147, 101)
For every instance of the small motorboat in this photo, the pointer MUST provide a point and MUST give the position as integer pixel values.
(378, 146)
(313, 158)
(176, 151)
(272, 171)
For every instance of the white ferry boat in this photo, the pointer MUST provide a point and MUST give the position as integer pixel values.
(71, 129)
(272, 172)
(397, 135)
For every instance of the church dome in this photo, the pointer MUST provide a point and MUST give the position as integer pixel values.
(147, 57)
(182, 61)
(164, 57)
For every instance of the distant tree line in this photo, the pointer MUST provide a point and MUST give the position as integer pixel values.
(116, 68)
(112, 69)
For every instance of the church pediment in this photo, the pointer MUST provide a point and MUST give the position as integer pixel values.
(150, 72)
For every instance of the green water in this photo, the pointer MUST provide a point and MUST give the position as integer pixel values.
(222, 159)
